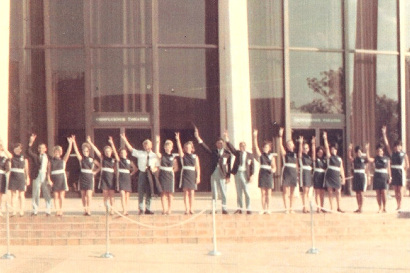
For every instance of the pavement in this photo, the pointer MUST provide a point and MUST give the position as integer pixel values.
(334, 255)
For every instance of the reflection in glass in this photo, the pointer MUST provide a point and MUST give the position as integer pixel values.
(121, 80)
(188, 21)
(266, 80)
(374, 98)
(121, 21)
(316, 83)
(265, 22)
(66, 21)
(315, 23)
(369, 21)
(189, 94)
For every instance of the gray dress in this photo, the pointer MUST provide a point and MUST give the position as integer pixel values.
(166, 173)
(265, 178)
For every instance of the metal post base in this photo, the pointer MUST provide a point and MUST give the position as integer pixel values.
(313, 251)
(214, 253)
(107, 255)
(8, 256)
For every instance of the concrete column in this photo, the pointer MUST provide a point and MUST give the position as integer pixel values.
(234, 82)
(4, 69)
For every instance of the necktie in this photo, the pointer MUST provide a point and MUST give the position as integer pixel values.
(147, 160)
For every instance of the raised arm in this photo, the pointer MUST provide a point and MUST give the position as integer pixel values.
(114, 150)
(30, 151)
(77, 152)
(300, 152)
(350, 153)
(313, 142)
(126, 142)
(179, 146)
(6, 151)
(326, 142)
(255, 144)
(157, 144)
(367, 151)
(97, 152)
(229, 145)
(70, 147)
(281, 147)
(201, 142)
(386, 141)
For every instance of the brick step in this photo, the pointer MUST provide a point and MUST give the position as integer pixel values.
(75, 229)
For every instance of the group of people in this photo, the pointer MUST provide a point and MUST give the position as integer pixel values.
(321, 169)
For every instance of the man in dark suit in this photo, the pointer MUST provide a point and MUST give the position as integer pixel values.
(243, 169)
(221, 166)
(39, 171)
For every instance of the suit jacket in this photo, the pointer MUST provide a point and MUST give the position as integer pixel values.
(223, 161)
(35, 162)
(238, 161)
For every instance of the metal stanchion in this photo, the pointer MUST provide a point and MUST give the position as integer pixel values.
(313, 249)
(8, 255)
(214, 252)
(107, 253)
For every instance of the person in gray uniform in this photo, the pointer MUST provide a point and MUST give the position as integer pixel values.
(56, 175)
(305, 163)
(320, 166)
(359, 174)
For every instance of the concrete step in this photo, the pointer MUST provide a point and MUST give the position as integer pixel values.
(149, 229)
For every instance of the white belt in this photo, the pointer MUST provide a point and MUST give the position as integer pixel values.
(400, 167)
(308, 168)
(359, 171)
(319, 170)
(290, 165)
(108, 170)
(190, 168)
(2, 172)
(380, 171)
(266, 167)
(17, 170)
(86, 171)
(123, 171)
(58, 172)
(168, 169)
(242, 169)
(334, 168)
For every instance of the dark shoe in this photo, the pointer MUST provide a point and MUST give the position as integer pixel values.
(141, 212)
(238, 211)
(224, 212)
(147, 211)
(341, 211)
(34, 214)
(249, 212)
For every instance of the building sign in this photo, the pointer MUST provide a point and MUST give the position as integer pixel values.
(121, 119)
(317, 120)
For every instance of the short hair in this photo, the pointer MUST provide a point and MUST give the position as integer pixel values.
(320, 148)
(107, 147)
(86, 145)
(357, 148)
(380, 146)
(220, 139)
(17, 145)
(267, 142)
(168, 142)
(121, 149)
(42, 144)
(146, 141)
(334, 145)
(190, 143)
(57, 147)
(397, 143)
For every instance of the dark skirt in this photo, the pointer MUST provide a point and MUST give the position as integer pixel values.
(3, 183)
(319, 180)
(59, 182)
(359, 182)
(332, 179)
(396, 177)
(265, 179)
(124, 182)
(306, 178)
(289, 177)
(167, 180)
(17, 182)
(86, 181)
(380, 181)
(188, 179)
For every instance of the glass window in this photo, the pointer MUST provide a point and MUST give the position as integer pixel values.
(66, 21)
(407, 98)
(189, 94)
(315, 23)
(266, 81)
(406, 6)
(121, 80)
(373, 24)
(374, 97)
(121, 21)
(265, 22)
(316, 82)
(188, 21)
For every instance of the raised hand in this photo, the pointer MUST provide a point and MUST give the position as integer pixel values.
(32, 138)
(281, 132)
(324, 135)
(384, 130)
(313, 141)
(255, 132)
(110, 140)
(196, 132)
(89, 139)
(350, 146)
(301, 139)
(177, 136)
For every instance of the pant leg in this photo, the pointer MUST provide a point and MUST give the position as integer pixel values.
(148, 194)
(222, 189)
(238, 185)
(214, 186)
(36, 194)
(47, 195)
(141, 190)
(245, 190)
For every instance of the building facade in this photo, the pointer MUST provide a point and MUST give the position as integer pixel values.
(149, 67)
